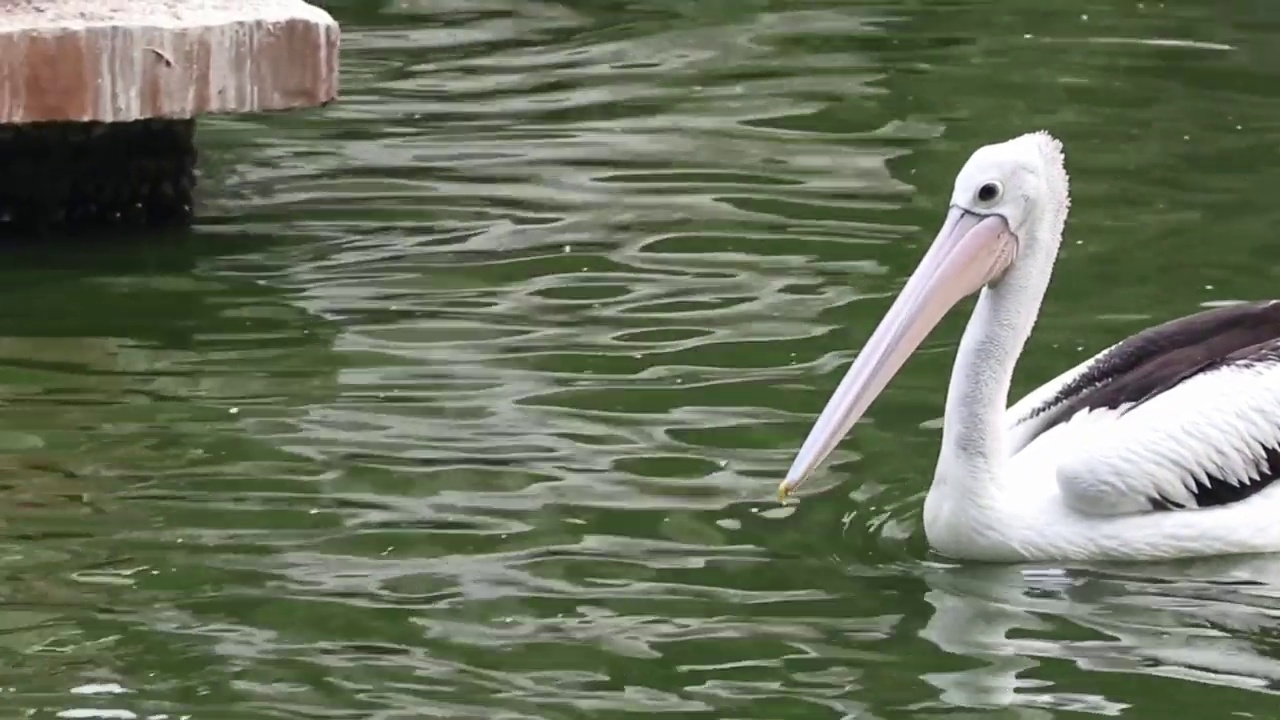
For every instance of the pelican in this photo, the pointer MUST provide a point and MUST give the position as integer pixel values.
(1164, 445)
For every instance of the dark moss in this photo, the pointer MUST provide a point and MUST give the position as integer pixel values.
(59, 176)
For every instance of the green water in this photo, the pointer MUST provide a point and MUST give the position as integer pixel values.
(468, 395)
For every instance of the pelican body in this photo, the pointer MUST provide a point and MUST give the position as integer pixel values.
(1164, 445)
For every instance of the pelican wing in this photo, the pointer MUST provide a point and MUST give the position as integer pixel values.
(1183, 415)
(1044, 407)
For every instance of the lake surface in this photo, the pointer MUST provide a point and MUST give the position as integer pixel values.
(468, 395)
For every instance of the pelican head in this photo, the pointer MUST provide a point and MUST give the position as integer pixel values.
(1009, 202)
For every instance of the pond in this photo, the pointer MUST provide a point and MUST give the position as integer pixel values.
(468, 395)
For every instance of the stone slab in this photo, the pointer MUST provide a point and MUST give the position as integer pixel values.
(124, 60)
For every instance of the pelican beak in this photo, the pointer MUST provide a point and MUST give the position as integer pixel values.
(970, 251)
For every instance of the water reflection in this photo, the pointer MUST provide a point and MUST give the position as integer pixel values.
(1208, 622)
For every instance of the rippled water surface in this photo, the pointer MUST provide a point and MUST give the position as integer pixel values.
(468, 395)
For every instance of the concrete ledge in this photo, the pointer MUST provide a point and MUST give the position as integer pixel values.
(98, 99)
(124, 60)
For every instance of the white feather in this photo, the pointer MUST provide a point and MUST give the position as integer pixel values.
(1082, 489)
(1020, 426)
(1218, 424)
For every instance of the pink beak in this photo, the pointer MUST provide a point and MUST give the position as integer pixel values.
(970, 251)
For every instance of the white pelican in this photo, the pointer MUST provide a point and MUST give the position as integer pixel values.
(1162, 446)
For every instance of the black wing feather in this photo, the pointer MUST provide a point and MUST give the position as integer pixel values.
(1158, 359)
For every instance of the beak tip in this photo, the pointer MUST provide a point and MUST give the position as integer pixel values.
(784, 491)
(788, 486)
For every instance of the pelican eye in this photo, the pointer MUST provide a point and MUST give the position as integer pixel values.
(988, 192)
